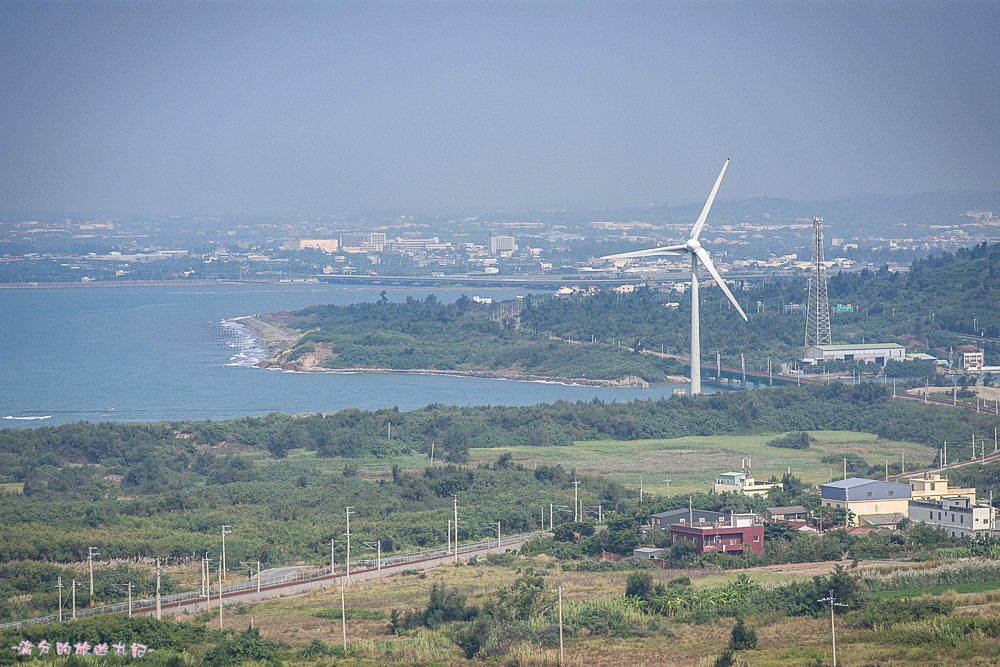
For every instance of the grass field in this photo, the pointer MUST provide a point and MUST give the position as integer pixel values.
(12, 487)
(692, 463)
(299, 620)
(978, 587)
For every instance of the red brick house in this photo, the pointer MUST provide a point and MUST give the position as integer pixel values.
(736, 533)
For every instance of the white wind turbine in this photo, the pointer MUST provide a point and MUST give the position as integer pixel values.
(698, 253)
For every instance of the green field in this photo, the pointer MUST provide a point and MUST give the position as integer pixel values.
(692, 463)
(977, 587)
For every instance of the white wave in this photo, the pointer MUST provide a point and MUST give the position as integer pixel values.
(250, 352)
(28, 418)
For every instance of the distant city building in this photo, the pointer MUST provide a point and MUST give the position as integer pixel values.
(960, 517)
(328, 246)
(357, 242)
(866, 498)
(502, 243)
(414, 244)
(879, 353)
(741, 482)
(354, 242)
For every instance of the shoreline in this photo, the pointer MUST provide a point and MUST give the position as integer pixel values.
(267, 364)
(140, 283)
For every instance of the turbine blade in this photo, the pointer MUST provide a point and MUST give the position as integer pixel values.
(650, 252)
(706, 260)
(696, 230)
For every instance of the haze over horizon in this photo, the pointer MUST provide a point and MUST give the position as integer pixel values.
(278, 108)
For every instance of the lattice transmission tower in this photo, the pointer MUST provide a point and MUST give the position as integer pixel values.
(818, 308)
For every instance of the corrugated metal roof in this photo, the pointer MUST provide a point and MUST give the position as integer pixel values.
(859, 346)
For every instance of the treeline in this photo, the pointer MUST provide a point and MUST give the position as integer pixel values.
(921, 307)
(459, 336)
(153, 457)
(289, 512)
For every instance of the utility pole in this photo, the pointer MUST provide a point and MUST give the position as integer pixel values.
(130, 598)
(349, 511)
(640, 488)
(562, 656)
(845, 467)
(667, 481)
(158, 610)
(498, 534)
(221, 579)
(91, 552)
(343, 615)
(832, 601)
(226, 529)
(333, 558)
(432, 452)
(258, 576)
(456, 529)
(576, 501)
(743, 368)
(74, 599)
(207, 567)
(59, 587)
(550, 516)
(377, 548)
(945, 453)
(600, 514)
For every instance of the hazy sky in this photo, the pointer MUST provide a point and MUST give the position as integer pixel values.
(208, 107)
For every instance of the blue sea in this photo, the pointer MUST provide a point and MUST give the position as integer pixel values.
(171, 352)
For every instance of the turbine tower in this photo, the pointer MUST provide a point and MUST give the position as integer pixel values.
(693, 248)
(818, 308)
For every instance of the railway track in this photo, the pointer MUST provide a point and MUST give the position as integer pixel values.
(316, 579)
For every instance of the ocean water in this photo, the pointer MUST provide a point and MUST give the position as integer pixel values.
(178, 352)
